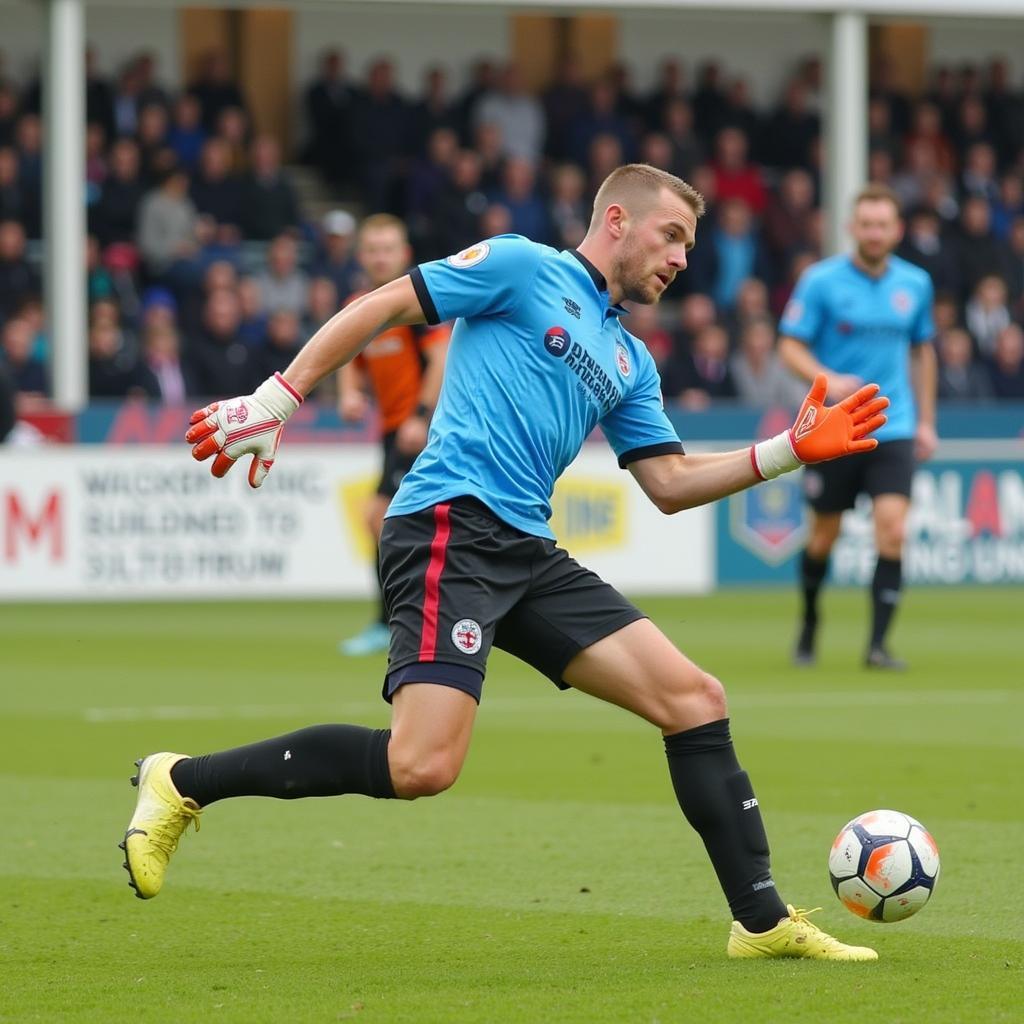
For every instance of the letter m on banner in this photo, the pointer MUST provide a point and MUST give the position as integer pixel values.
(22, 529)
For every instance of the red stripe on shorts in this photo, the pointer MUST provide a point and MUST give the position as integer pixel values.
(432, 594)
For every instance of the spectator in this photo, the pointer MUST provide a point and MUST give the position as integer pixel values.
(645, 325)
(791, 129)
(1009, 205)
(27, 372)
(924, 245)
(435, 110)
(928, 136)
(215, 191)
(126, 102)
(987, 313)
(321, 304)
(219, 363)
(168, 237)
(919, 168)
(113, 371)
(233, 129)
(946, 312)
(751, 305)
(708, 101)
(483, 80)
(1004, 110)
(687, 149)
(215, 89)
(330, 104)
(162, 374)
(428, 176)
(604, 156)
(566, 102)
(380, 135)
(98, 282)
(459, 207)
(17, 278)
(670, 87)
(880, 135)
(151, 135)
(761, 380)
(978, 177)
(972, 123)
(568, 211)
(269, 204)
(519, 195)
(280, 345)
(1015, 266)
(786, 227)
(14, 202)
(151, 92)
(602, 118)
(735, 176)
(883, 85)
(491, 151)
(282, 284)
(29, 143)
(252, 324)
(114, 216)
(980, 253)
(495, 220)
(656, 150)
(158, 308)
(737, 251)
(8, 113)
(1007, 365)
(186, 137)
(704, 374)
(337, 260)
(960, 378)
(740, 113)
(518, 115)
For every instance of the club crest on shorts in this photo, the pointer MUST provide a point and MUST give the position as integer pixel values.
(467, 636)
(470, 257)
(622, 359)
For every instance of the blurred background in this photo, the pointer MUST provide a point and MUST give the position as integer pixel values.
(226, 157)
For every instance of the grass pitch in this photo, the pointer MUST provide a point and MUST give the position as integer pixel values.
(556, 882)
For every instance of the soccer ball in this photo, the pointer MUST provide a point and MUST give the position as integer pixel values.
(884, 866)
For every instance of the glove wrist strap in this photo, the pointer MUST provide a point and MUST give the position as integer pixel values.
(278, 396)
(775, 456)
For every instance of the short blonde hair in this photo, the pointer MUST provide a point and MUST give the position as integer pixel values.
(636, 186)
(382, 221)
(875, 191)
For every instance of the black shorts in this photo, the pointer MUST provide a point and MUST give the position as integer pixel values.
(834, 486)
(396, 465)
(457, 580)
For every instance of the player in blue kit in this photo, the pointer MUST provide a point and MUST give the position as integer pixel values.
(858, 317)
(537, 358)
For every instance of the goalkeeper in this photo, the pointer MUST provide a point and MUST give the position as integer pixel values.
(538, 357)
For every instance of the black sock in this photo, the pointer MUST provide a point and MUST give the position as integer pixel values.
(812, 576)
(323, 760)
(885, 597)
(718, 801)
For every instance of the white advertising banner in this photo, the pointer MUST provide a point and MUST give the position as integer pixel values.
(95, 522)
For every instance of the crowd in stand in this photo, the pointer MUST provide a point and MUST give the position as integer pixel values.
(204, 275)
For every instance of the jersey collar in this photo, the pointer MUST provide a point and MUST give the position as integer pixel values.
(600, 283)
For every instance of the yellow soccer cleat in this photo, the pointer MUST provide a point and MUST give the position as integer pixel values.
(793, 936)
(161, 816)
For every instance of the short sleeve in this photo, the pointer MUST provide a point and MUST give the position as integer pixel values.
(487, 279)
(924, 324)
(637, 428)
(804, 314)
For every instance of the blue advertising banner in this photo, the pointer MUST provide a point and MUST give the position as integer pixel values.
(966, 525)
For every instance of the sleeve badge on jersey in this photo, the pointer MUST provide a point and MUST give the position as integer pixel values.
(622, 359)
(794, 311)
(470, 257)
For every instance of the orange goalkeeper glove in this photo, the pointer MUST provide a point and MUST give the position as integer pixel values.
(821, 433)
(250, 425)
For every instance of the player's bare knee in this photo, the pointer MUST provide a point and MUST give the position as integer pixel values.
(422, 776)
(699, 698)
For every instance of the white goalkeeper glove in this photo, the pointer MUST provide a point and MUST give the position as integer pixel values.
(250, 425)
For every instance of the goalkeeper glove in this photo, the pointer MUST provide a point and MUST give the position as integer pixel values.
(821, 433)
(250, 425)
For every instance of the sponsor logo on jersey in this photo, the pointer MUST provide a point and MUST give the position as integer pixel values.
(572, 307)
(902, 301)
(622, 359)
(556, 341)
(467, 636)
(470, 257)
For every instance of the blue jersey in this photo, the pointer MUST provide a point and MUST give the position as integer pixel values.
(863, 325)
(536, 360)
